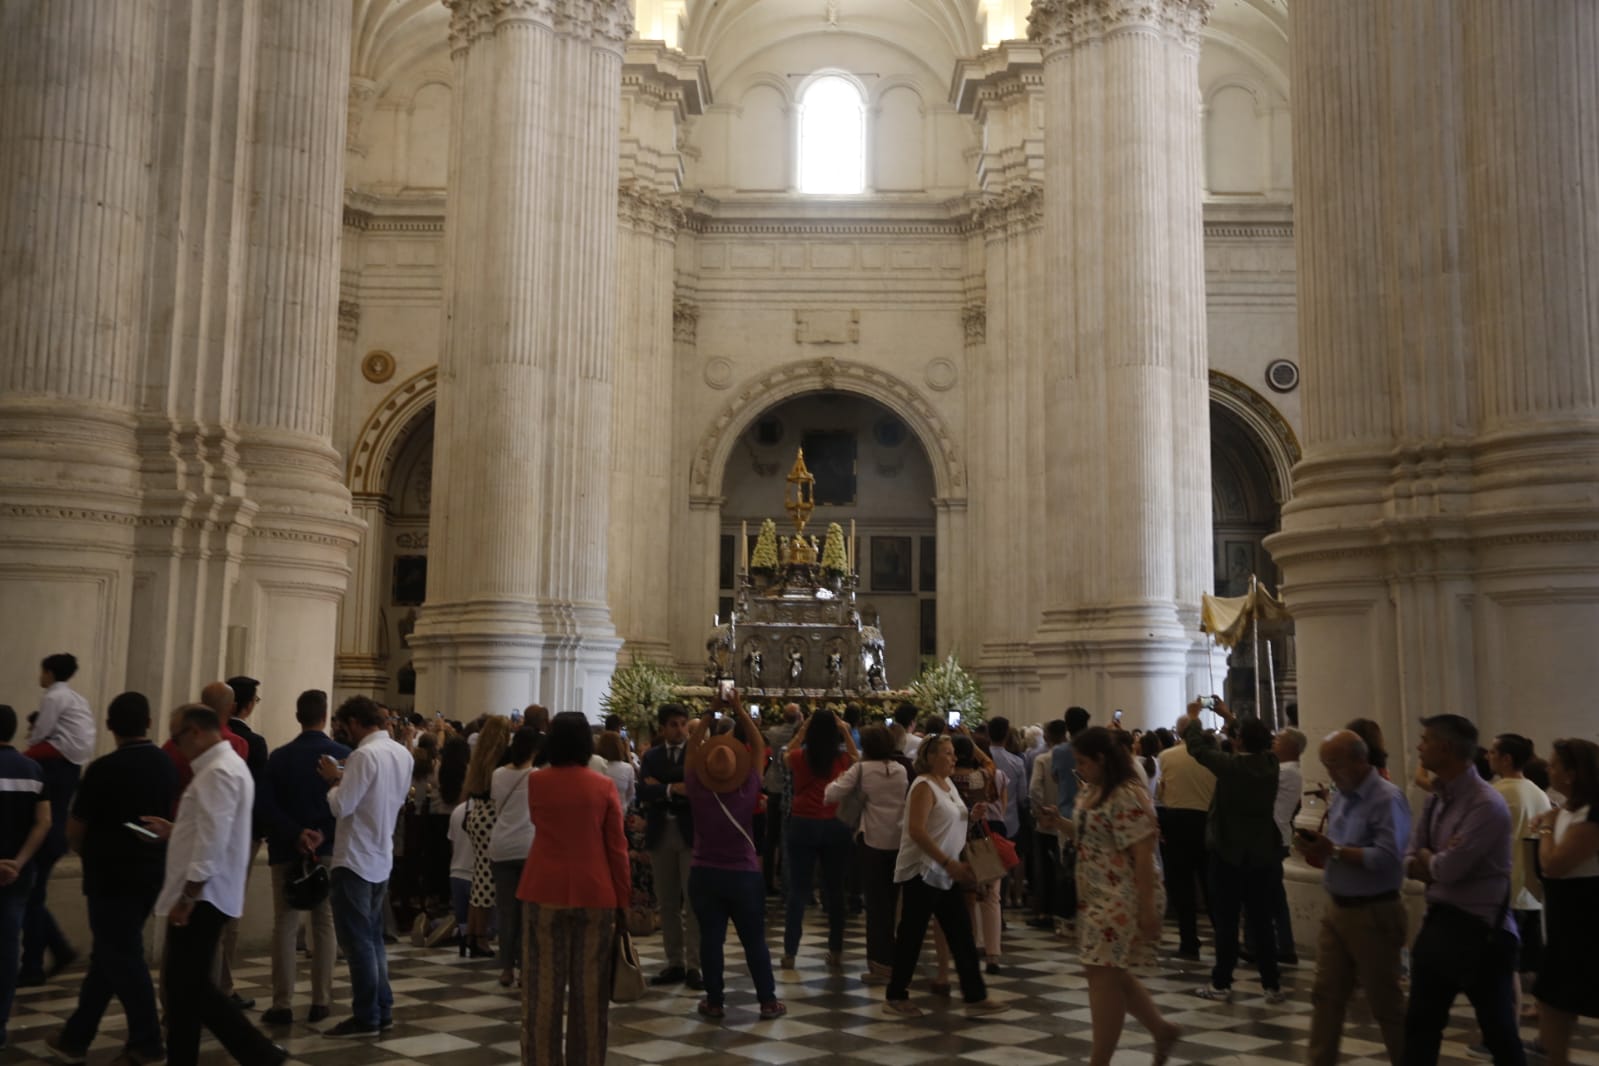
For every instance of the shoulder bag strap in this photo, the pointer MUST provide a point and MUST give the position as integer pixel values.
(730, 818)
(506, 802)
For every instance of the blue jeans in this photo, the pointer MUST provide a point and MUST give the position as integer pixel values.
(809, 840)
(117, 968)
(718, 895)
(358, 924)
(13, 905)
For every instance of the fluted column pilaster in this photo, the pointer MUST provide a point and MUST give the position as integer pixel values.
(1128, 484)
(516, 605)
(77, 117)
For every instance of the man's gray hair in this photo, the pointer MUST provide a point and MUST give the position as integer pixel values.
(1297, 739)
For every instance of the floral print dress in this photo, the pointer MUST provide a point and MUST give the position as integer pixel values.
(1107, 894)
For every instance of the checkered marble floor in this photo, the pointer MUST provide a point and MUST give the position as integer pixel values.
(452, 1011)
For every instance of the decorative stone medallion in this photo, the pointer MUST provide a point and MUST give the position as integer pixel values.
(1282, 375)
(941, 374)
(378, 366)
(718, 372)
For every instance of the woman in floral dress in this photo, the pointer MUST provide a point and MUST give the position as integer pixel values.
(1119, 891)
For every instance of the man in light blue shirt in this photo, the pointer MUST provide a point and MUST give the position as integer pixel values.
(1363, 927)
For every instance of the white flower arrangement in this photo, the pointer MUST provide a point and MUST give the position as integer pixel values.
(636, 691)
(945, 687)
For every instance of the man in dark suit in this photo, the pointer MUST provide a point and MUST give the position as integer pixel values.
(669, 838)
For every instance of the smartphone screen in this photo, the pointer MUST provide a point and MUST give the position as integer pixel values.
(149, 834)
(724, 688)
(954, 718)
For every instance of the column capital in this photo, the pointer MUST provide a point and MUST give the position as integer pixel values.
(598, 20)
(1061, 25)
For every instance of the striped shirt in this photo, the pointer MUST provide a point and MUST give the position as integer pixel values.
(21, 790)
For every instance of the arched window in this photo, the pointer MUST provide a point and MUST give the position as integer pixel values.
(832, 138)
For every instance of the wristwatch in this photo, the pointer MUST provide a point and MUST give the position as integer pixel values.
(1337, 853)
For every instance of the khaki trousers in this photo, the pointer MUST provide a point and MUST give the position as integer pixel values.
(1358, 946)
(285, 931)
(566, 984)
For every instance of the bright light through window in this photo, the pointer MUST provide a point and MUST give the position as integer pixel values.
(832, 138)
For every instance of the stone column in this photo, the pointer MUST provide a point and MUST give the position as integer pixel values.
(1003, 91)
(361, 669)
(662, 89)
(297, 558)
(77, 119)
(517, 577)
(1125, 391)
(1439, 552)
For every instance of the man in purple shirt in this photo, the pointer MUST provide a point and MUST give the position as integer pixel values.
(1461, 851)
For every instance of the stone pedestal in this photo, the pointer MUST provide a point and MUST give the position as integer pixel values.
(1439, 551)
(1125, 383)
(516, 607)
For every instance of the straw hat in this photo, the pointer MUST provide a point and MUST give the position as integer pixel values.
(721, 763)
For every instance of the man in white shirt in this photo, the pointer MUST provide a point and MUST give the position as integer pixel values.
(1508, 758)
(62, 743)
(365, 800)
(208, 861)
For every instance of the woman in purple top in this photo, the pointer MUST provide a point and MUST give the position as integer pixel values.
(723, 780)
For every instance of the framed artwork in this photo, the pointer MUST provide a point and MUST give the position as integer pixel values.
(891, 564)
(410, 579)
(830, 457)
(927, 565)
(929, 628)
(725, 564)
(1238, 562)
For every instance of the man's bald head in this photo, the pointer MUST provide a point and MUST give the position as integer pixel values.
(791, 712)
(218, 696)
(1347, 759)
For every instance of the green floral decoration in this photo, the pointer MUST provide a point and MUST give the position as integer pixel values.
(636, 690)
(765, 557)
(833, 557)
(946, 687)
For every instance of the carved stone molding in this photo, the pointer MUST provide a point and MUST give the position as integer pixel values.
(827, 326)
(820, 375)
(1261, 415)
(1010, 213)
(647, 211)
(349, 319)
(374, 447)
(609, 21)
(361, 92)
(719, 372)
(685, 320)
(1065, 24)
(974, 317)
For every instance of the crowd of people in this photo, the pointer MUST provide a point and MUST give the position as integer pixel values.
(536, 839)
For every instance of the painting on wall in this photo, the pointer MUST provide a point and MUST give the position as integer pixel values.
(1237, 562)
(891, 564)
(929, 628)
(830, 457)
(410, 579)
(927, 565)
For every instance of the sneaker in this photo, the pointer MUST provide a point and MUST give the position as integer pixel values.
(901, 1008)
(713, 1011)
(1214, 994)
(277, 1016)
(772, 1010)
(1275, 996)
(353, 1027)
(64, 1051)
(387, 1023)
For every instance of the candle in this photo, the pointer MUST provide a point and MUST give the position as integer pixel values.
(852, 545)
(744, 548)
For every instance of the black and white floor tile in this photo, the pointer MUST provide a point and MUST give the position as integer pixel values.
(452, 1011)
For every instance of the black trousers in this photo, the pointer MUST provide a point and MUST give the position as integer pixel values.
(1451, 955)
(772, 851)
(882, 896)
(1249, 890)
(920, 903)
(1182, 852)
(192, 1000)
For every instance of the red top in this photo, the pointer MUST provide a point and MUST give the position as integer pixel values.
(808, 788)
(579, 853)
(241, 747)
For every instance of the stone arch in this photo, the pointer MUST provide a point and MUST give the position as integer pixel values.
(1276, 436)
(823, 375)
(385, 427)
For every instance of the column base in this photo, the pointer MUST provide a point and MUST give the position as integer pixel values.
(498, 656)
(1133, 657)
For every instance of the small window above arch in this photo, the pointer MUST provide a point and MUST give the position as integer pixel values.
(832, 137)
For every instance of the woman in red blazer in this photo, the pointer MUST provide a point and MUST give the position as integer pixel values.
(574, 887)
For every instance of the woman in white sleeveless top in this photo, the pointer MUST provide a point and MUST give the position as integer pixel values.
(936, 824)
(1568, 858)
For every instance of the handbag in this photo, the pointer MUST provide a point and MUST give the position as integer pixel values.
(627, 975)
(983, 857)
(853, 806)
(1004, 848)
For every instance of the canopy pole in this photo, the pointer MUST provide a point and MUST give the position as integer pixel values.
(1271, 683)
(1254, 643)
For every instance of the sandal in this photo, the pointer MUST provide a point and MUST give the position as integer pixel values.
(1162, 1050)
(901, 1008)
(773, 1010)
(711, 1010)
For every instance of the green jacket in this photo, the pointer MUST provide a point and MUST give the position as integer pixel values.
(1242, 828)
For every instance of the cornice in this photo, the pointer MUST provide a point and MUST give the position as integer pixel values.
(601, 21)
(1063, 25)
